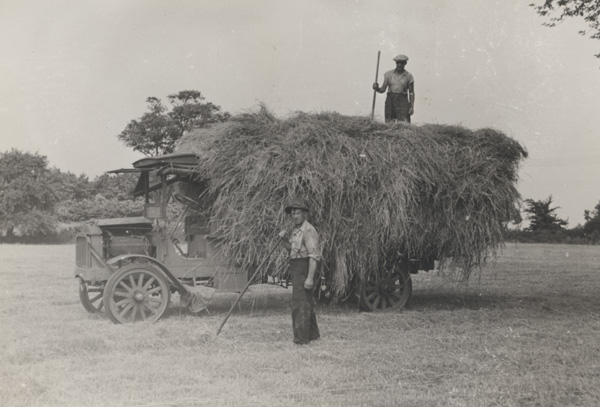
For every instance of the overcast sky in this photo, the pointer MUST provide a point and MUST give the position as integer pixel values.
(73, 73)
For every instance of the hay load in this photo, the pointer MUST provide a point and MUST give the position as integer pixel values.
(379, 193)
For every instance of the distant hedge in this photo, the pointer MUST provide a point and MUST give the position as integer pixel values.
(564, 236)
(62, 236)
(97, 208)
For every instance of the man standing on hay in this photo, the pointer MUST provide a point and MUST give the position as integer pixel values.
(400, 100)
(303, 246)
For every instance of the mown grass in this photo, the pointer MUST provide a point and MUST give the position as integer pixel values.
(523, 333)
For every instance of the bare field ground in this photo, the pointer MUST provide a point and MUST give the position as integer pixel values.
(523, 333)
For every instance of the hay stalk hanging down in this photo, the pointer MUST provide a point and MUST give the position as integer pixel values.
(377, 191)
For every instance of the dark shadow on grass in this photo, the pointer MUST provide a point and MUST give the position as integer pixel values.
(449, 301)
(277, 301)
(543, 302)
(261, 302)
(257, 301)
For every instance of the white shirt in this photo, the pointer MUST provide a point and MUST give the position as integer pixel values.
(397, 82)
(305, 242)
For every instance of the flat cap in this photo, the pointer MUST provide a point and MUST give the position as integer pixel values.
(297, 203)
(399, 58)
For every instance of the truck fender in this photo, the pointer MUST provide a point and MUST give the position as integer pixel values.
(153, 261)
(112, 261)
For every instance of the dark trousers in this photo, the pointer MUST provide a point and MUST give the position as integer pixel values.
(397, 107)
(304, 320)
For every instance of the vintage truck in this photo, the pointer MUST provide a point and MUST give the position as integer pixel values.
(129, 267)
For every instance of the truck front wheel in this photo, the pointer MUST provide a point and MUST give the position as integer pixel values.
(137, 292)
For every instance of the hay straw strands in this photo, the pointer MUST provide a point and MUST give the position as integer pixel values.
(377, 191)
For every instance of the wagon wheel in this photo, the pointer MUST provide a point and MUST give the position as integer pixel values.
(137, 292)
(385, 290)
(91, 296)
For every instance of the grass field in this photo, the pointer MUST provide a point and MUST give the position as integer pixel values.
(523, 333)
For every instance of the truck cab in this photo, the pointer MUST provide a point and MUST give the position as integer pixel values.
(105, 246)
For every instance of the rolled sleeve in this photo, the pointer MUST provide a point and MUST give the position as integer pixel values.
(386, 83)
(311, 242)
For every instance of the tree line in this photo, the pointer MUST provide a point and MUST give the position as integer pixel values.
(39, 203)
(545, 226)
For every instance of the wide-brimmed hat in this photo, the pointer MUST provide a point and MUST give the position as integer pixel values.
(297, 203)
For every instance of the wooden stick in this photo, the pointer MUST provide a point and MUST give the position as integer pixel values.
(247, 285)
(374, 91)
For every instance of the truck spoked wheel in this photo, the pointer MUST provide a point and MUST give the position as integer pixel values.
(385, 290)
(137, 292)
(91, 296)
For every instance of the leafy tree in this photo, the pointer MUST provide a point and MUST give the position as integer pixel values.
(191, 112)
(115, 186)
(152, 134)
(98, 208)
(542, 216)
(67, 185)
(591, 226)
(27, 195)
(558, 10)
(108, 196)
(157, 130)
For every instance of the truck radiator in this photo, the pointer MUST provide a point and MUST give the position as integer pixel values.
(82, 253)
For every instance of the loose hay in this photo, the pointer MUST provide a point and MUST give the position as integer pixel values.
(378, 192)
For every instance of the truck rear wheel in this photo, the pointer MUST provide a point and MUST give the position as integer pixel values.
(134, 293)
(384, 290)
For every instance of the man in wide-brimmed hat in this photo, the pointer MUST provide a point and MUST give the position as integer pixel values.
(400, 100)
(303, 245)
